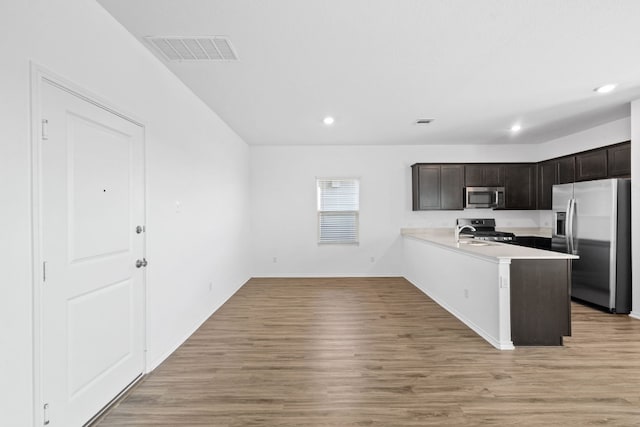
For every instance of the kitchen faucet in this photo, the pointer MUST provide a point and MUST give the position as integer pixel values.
(459, 228)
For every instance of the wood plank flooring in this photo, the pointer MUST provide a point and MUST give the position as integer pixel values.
(378, 352)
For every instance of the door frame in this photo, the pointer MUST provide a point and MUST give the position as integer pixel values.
(40, 76)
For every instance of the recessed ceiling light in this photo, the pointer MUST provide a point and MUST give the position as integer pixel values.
(606, 88)
(516, 128)
(328, 120)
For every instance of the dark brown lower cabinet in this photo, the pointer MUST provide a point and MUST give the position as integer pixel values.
(540, 301)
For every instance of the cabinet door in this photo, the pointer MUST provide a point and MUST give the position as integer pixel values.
(547, 178)
(426, 187)
(451, 184)
(488, 175)
(474, 175)
(566, 170)
(619, 158)
(493, 175)
(540, 301)
(520, 184)
(591, 165)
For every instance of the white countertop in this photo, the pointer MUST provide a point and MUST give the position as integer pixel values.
(495, 250)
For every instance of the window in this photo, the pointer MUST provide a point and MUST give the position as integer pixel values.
(338, 207)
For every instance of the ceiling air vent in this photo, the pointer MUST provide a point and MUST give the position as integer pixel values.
(424, 121)
(203, 48)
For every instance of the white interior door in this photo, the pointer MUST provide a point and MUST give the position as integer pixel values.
(92, 199)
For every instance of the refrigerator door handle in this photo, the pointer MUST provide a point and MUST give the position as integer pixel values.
(570, 224)
(567, 227)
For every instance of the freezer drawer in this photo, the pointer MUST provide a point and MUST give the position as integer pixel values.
(591, 273)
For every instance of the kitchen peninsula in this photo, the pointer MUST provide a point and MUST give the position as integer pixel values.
(509, 295)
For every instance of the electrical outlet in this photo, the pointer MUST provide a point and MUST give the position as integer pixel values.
(210, 286)
(275, 259)
(373, 259)
(466, 293)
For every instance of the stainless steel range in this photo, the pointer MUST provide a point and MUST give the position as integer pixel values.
(485, 229)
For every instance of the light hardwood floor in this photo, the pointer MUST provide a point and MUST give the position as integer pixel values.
(378, 352)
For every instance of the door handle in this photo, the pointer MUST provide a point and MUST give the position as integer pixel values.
(141, 262)
(574, 244)
(570, 222)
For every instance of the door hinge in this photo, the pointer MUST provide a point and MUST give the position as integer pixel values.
(45, 410)
(45, 129)
(44, 271)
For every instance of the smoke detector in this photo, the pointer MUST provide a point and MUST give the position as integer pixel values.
(197, 48)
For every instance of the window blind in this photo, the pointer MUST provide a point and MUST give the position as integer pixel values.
(338, 209)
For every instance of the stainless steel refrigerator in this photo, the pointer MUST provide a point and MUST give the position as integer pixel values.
(592, 219)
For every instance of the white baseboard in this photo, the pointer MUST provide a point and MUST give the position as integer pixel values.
(500, 345)
(157, 362)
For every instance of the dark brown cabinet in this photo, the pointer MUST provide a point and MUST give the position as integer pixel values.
(566, 169)
(451, 188)
(540, 301)
(527, 185)
(437, 187)
(619, 159)
(520, 186)
(591, 165)
(613, 161)
(550, 173)
(547, 178)
(426, 187)
(487, 175)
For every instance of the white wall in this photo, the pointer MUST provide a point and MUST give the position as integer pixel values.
(283, 191)
(192, 157)
(284, 223)
(635, 208)
(479, 301)
(606, 134)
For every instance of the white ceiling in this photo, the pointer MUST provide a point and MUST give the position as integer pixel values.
(476, 66)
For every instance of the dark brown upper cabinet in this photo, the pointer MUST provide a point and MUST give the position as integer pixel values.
(426, 187)
(591, 165)
(527, 185)
(487, 175)
(437, 187)
(520, 185)
(550, 173)
(547, 178)
(566, 169)
(619, 158)
(451, 188)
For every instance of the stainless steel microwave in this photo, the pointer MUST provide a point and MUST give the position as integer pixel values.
(484, 197)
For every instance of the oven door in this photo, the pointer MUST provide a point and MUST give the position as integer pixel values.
(484, 197)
